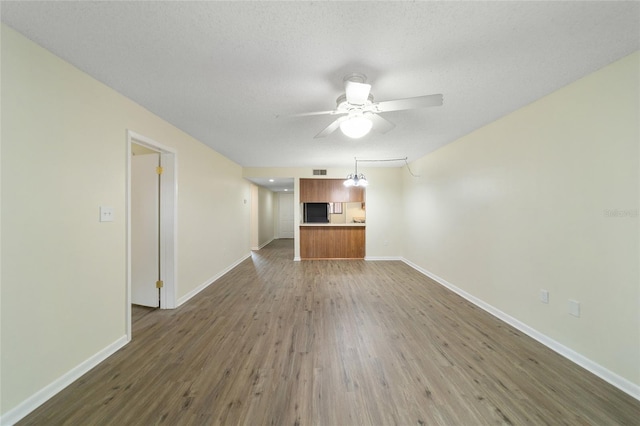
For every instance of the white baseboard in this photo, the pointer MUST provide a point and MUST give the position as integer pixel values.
(37, 399)
(297, 259)
(609, 376)
(268, 242)
(210, 281)
(262, 245)
(382, 258)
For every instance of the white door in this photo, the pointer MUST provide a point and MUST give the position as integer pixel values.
(285, 219)
(145, 229)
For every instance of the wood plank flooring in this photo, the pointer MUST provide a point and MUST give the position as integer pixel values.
(277, 342)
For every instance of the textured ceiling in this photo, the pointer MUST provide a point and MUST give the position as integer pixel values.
(224, 71)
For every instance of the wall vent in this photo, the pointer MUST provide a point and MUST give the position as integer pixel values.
(319, 172)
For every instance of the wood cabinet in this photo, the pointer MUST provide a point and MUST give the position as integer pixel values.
(332, 242)
(329, 191)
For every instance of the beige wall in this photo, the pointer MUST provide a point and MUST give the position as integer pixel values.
(524, 204)
(255, 219)
(63, 272)
(266, 217)
(384, 211)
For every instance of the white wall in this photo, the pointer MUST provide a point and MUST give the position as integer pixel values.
(524, 204)
(63, 272)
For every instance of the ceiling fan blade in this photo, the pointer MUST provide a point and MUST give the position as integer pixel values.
(331, 127)
(309, 114)
(380, 124)
(357, 93)
(409, 103)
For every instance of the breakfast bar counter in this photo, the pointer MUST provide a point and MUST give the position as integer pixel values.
(332, 241)
(332, 224)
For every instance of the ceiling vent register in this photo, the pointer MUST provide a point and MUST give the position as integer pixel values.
(319, 172)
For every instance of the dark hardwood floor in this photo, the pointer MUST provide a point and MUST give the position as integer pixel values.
(279, 342)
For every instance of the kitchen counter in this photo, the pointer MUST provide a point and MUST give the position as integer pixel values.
(332, 224)
(332, 240)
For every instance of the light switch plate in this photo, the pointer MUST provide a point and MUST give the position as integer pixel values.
(574, 308)
(544, 296)
(106, 214)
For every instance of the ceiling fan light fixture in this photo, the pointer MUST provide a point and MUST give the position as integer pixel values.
(356, 127)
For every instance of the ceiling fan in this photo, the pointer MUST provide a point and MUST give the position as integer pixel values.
(359, 113)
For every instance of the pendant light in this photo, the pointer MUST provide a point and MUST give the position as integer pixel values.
(355, 179)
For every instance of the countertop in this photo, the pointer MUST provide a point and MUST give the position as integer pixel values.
(332, 224)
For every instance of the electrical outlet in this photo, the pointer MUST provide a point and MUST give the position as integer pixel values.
(544, 296)
(106, 214)
(574, 308)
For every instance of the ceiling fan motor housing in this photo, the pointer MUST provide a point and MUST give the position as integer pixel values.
(343, 105)
(355, 77)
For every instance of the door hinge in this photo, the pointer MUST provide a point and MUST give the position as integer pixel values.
(159, 284)
(159, 170)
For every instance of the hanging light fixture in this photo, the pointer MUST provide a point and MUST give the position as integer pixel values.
(356, 126)
(355, 179)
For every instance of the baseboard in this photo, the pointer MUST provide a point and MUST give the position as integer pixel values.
(614, 379)
(268, 242)
(297, 259)
(377, 258)
(43, 395)
(211, 280)
(254, 248)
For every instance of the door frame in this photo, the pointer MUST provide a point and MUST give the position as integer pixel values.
(168, 222)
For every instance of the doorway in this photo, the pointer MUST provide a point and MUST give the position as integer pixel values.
(145, 226)
(151, 216)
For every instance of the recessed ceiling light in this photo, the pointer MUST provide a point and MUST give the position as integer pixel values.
(270, 180)
(285, 189)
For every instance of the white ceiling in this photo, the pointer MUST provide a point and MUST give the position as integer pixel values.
(275, 184)
(224, 71)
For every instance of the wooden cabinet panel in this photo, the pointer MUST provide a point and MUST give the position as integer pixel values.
(332, 242)
(355, 194)
(329, 191)
(315, 190)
